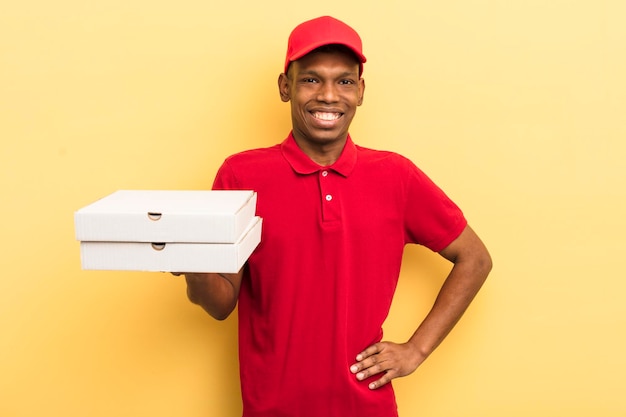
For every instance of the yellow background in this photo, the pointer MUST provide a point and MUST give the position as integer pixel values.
(515, 107)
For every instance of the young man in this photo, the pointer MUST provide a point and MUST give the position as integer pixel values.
(315, 293)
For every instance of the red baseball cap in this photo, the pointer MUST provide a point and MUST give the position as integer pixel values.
(321, 31)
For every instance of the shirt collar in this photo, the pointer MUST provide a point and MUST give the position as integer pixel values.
(302, 164)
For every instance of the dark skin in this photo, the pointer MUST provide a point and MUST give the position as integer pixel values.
(324, 89)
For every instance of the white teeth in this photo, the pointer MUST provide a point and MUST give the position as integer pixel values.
(326, 116)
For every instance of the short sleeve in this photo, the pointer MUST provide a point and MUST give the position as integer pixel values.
(225, 178)
(432, 219)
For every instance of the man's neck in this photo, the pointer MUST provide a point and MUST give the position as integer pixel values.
(322, 154)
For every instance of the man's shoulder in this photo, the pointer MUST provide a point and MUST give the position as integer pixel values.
(254, 155)
(371, 155)
(246, 168)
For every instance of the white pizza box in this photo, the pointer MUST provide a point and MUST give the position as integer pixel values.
(172, 256)
(211, 216)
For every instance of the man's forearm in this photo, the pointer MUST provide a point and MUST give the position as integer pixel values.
(455, 296)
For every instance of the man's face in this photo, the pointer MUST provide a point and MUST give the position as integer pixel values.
(324, 89)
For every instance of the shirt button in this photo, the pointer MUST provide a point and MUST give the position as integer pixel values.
(329, 197)
(324, 173)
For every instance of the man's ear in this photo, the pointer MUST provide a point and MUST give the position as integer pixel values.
(283, 87)
(361, 91)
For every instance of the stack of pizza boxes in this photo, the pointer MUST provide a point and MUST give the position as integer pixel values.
(169, 231)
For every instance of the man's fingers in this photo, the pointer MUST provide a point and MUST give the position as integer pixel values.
(365, 360)
(370, 371)
(370, 362)
(384, 380)
(371, 350)
(385, 359)
(376, 369)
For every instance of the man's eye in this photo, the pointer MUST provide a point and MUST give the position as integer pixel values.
(346, 82)
(309, 80)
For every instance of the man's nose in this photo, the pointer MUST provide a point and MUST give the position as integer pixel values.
(327, 93)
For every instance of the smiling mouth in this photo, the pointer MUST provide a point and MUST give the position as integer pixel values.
(326, 116)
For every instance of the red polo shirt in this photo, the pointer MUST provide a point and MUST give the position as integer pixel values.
(320, 284)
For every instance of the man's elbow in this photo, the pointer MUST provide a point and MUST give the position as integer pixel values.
(484, 263)
(221, 315)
